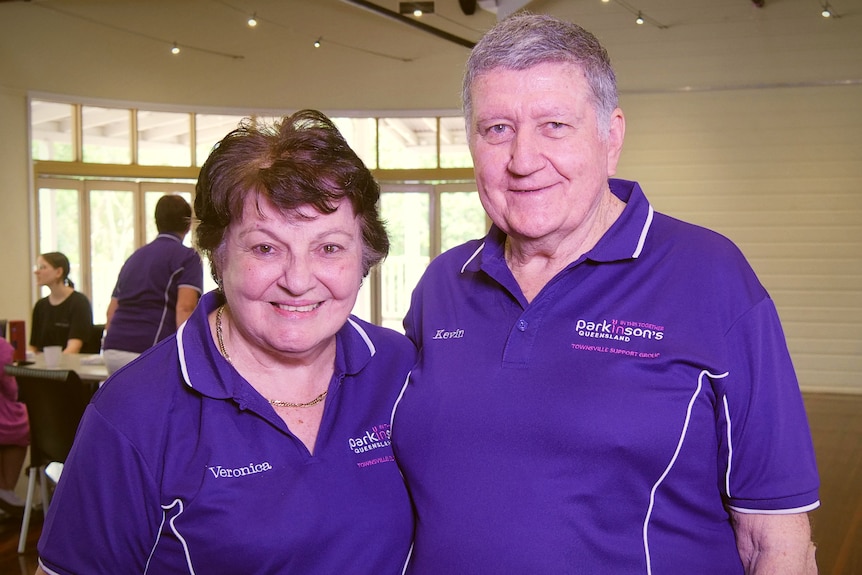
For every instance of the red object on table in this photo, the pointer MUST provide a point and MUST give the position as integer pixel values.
(18, 340)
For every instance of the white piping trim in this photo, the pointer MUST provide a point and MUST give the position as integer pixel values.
(642, 239)
(729, 448)
(472, 257)
(364, 335)
(671, 464)
(803, 509)
(180, 538)
(181, 351)
(167, 296)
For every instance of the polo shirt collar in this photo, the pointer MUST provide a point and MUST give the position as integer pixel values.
(624, 240)
(205, 370)
(170, 236)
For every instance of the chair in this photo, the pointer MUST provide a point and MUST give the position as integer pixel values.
(55, 401)
(93, 344)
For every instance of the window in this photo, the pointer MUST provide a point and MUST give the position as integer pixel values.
(209, 129)
(164, 139)
(408, 143)
(111, 234)
(107, 135)
(98, 219)
(53, 131)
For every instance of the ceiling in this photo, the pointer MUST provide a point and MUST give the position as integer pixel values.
(108, 50)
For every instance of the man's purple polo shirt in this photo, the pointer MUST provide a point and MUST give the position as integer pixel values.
(606, 426)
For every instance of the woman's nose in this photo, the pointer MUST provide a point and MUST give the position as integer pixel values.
(298, 275)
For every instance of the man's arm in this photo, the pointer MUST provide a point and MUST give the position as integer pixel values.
(774, 544)
(187, 299)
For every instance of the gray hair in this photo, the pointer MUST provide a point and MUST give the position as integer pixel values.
(524, 40)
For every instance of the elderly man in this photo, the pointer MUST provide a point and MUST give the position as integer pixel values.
(619, 397)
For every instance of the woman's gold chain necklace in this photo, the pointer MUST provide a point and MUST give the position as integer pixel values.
(276, 402)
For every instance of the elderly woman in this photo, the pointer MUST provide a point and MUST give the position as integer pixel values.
(64, 317)
(256, 440)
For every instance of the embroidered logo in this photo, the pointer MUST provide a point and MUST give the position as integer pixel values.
(616, 330)
(448, 334)
(375, 438)
(619, 330)
(250, 469)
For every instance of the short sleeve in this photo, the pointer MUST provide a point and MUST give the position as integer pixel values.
(770, 465)
(104, 478)
(193, 273)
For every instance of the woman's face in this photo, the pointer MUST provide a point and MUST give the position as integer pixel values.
(290, 282)
(46, 274)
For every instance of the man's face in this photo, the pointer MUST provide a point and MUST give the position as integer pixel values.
(541, 161)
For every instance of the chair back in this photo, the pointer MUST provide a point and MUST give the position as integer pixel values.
(93, 344)
(55, 401)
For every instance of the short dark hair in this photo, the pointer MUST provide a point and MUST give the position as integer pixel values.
(173, 214)
(59, 260)
(303, 160)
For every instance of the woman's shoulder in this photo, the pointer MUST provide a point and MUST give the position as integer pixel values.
(79, 298)
(148, 384)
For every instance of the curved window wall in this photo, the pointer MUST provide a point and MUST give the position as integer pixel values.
(100, 169)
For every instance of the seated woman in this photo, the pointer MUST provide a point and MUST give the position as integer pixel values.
(65, 316)
(256, 438)
(14, 436)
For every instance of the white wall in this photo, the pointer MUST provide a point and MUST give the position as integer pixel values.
(16, 259)
(778, 171)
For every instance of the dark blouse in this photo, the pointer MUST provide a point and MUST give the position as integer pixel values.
(57, 324)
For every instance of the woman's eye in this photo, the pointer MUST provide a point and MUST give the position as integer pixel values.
(330, 248)
(263, 249)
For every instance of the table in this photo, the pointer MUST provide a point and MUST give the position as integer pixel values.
(88, 368)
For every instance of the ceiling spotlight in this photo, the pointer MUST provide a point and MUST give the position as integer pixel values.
(826, 13)
(252, 22)
(606, 1)
(175, 49)
(317, 42)
(417, 9)
(640, 18)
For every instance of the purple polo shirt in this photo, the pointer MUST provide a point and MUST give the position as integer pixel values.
(606, 426)
(146, 290)
(180, 466)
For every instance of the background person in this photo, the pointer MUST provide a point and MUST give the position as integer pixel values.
(616, 395)
(14, 436)
(157, 289)
(64, 317)
(255, 440)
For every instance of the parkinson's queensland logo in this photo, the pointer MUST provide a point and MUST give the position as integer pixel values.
(619, 330)
(375, 438)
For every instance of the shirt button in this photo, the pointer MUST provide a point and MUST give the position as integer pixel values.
(522, 325)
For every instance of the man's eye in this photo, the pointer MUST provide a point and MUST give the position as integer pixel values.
(497, 129)
(264, 249)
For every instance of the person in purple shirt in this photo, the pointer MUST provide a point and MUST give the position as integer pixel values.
(256, 439)
(157, 289)
(600, 388)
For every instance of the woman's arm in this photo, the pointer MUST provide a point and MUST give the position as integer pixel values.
(774, 544)
(73, 345)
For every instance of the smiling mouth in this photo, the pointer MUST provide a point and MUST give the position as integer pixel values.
(297, 308)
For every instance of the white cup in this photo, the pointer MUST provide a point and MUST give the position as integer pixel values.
(52, 355)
